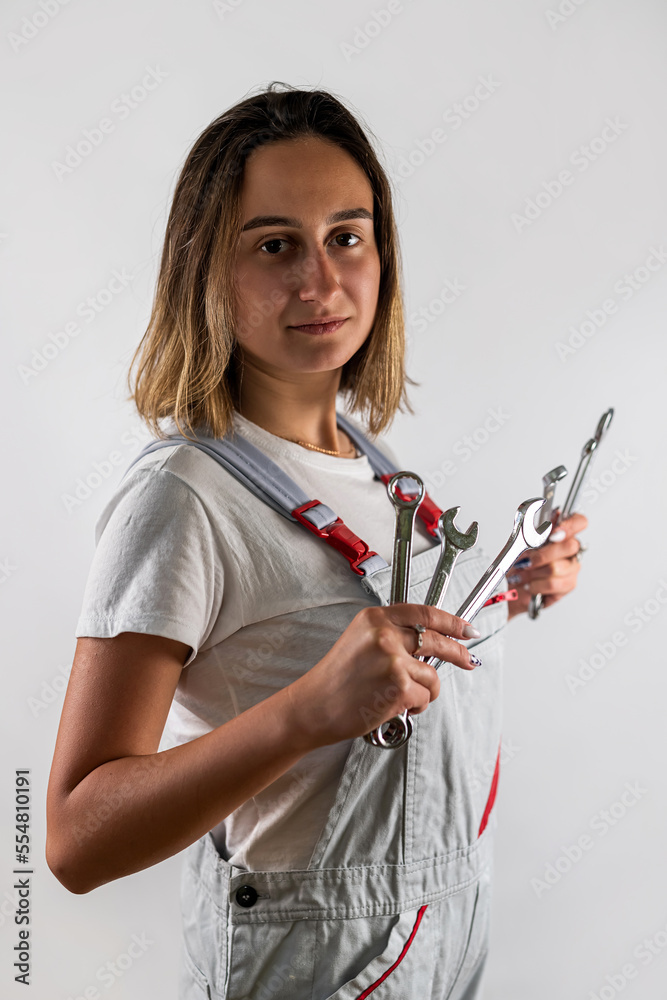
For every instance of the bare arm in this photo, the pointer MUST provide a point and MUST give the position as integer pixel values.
(116, 806)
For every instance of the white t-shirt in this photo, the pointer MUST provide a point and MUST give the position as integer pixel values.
(184, 550)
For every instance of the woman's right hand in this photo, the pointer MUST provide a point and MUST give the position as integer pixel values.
(370, 673)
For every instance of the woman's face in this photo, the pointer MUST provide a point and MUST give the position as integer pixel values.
(308, 268)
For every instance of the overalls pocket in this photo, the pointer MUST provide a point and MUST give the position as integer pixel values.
(193, 984)
(399, 970)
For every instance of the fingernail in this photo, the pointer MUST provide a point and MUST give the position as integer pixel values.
(470, 632)
(522, 563)
(557, 536)
(513, 578)
(475, 660)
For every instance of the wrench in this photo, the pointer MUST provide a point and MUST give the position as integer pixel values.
(524, 536)
(453, 543)
(397, 731)
(580, 476)
(587, 453)
(549, 483)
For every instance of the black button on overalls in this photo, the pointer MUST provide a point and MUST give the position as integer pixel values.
(246, 895)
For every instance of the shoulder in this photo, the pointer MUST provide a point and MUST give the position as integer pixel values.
(170, 482)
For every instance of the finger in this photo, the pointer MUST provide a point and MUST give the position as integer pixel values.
(426, 678)
(571, 525)
(435, 644)
(551, 585)
(408, 615)
(550, 553)
(560, 567)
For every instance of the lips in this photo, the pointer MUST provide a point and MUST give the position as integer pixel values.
(326, 325)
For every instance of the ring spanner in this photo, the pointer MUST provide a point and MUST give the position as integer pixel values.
(454, 542)
(393, 734)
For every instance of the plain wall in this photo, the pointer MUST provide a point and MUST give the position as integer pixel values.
(527, 336)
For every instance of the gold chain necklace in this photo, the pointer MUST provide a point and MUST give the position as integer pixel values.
(314, 447)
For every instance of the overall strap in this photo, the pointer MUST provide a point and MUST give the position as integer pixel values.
(258, 473)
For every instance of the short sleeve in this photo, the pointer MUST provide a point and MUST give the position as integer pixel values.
(156, 567)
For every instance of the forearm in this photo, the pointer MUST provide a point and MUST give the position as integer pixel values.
(131, 813)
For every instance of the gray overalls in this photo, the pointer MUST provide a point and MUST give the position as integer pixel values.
(395, 902)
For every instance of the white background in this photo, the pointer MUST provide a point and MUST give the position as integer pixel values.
(556, 80)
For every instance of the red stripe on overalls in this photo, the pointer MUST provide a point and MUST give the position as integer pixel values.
(492, 795)
(378, 982)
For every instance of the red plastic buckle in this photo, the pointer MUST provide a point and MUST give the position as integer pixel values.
(428, 512)
(338, 535)
(507, 595)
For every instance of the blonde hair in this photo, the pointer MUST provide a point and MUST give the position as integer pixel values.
(187, 363)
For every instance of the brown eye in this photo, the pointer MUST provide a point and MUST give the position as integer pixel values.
(346, 236)
(274, 244)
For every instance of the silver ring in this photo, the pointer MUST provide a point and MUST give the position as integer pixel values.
(419, 629)
(582, 548)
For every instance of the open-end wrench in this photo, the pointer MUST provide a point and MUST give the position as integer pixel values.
(453, 542)
(549, 481)
(524, 536)
(580, 477)
(587, 453)
(393, 734)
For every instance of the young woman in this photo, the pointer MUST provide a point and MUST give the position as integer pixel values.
(316, 864)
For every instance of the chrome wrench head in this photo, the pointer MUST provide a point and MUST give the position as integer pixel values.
(406, 509)
(587, 455)
(524, 536)
(454, 542)
(452, 534)
(397, 731)
(603, 424)
(549, 481)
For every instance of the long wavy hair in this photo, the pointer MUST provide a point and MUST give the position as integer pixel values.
(188, 364)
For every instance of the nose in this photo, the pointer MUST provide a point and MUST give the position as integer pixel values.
(318, 278)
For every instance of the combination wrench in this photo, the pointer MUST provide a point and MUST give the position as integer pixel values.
(524, 536)
(453, 543)
(397, 731)
(549, 481)
(583, 470)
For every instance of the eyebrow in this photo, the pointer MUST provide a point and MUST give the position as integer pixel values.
(282, 220)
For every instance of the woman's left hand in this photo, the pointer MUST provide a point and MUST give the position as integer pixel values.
(553, 568)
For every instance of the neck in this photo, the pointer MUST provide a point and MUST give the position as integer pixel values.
(297, 406)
